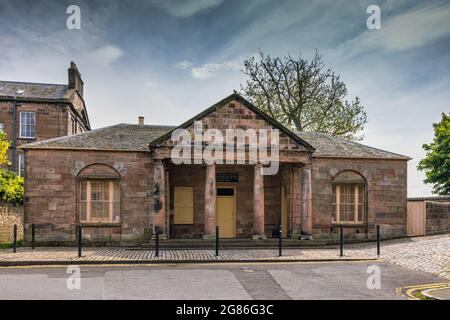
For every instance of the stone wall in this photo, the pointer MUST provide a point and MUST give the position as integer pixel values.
(9, 216)
(51, 196)
(437, 217)
(386, 203)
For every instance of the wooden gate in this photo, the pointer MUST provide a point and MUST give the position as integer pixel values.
(416, 218)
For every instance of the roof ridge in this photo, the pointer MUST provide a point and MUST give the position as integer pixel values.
(35, 83)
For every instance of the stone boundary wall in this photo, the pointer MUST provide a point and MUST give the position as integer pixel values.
(437, 217)
(9, 216)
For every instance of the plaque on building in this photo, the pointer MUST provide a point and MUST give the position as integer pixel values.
(227, 177)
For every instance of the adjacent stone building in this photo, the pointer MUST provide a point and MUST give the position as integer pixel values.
(123, 181)
(31, 112)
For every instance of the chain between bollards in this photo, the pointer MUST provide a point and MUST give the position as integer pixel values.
(280, 239)
(79, 239)
(341, 240)
(15, 238)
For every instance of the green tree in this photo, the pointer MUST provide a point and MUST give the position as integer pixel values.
(303, 95)
(11, 185)
(436, 163)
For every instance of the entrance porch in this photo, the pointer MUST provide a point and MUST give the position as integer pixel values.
(190, 200)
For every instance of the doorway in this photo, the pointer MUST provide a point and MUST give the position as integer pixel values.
(226, 211)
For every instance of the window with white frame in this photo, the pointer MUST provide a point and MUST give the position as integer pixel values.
(2, 127)
(27, 125)
(21, 170)
(349, 198)
(348, 204)
(99, 201)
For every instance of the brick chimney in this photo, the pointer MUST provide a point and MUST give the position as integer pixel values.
(141, 121)
(75, 81)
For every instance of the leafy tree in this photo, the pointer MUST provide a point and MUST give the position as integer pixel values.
(303, 95)
(436, 163)
(11, 185)
(4, 146)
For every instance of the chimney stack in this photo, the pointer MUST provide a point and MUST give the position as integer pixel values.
(75, 81)
(141, 121)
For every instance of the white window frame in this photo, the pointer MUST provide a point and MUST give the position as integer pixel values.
(336, 215)
(113, 218)
(22, 114)
(2, 127)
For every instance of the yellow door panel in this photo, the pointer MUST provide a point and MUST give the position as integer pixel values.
(225, 210)
(183, 205)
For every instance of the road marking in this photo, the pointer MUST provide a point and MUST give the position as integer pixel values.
(409, 291)
(191, 264)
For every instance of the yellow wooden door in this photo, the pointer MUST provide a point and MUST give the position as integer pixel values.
(225, 210)
(284, 216)
(183, 205)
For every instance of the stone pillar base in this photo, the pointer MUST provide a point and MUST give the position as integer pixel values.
(259, 237)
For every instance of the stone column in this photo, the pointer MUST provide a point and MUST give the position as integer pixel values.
(258, 203)
(159, 198)
(210, 202)
(296, 209)
(306, 200)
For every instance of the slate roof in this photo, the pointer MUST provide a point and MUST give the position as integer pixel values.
(328, 146)
(9, 89)
(131, 137)
(120, 137)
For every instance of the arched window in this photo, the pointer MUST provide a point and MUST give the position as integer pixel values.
(99, 195)
(349, 198)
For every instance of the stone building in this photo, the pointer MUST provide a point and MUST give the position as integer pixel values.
(122, 181)
(31, 112)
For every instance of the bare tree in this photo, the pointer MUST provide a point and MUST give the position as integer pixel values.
(303, 95)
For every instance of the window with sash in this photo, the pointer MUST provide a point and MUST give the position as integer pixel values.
(348, 203)
(28, 125)
(99, 201)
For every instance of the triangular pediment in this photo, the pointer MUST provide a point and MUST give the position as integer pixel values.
(235, 112)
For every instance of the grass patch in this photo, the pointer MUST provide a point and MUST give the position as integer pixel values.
(418, 294)
(10, 245)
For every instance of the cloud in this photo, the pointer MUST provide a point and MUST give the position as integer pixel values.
(187, 8)
(209, 70)
(183, 65)
(413, 29)
(106, 55)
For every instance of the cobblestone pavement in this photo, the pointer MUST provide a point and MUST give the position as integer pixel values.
(429, 254)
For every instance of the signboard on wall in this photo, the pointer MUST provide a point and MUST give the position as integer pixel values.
(227, 177)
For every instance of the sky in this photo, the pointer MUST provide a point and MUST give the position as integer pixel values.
(169, 60)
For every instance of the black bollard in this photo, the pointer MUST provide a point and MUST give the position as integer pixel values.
(280, 239)
(79, 239)
(15, 238)
(341, 240)
(156, 241)
(33, 235)
(378, 240)
(217, 241)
